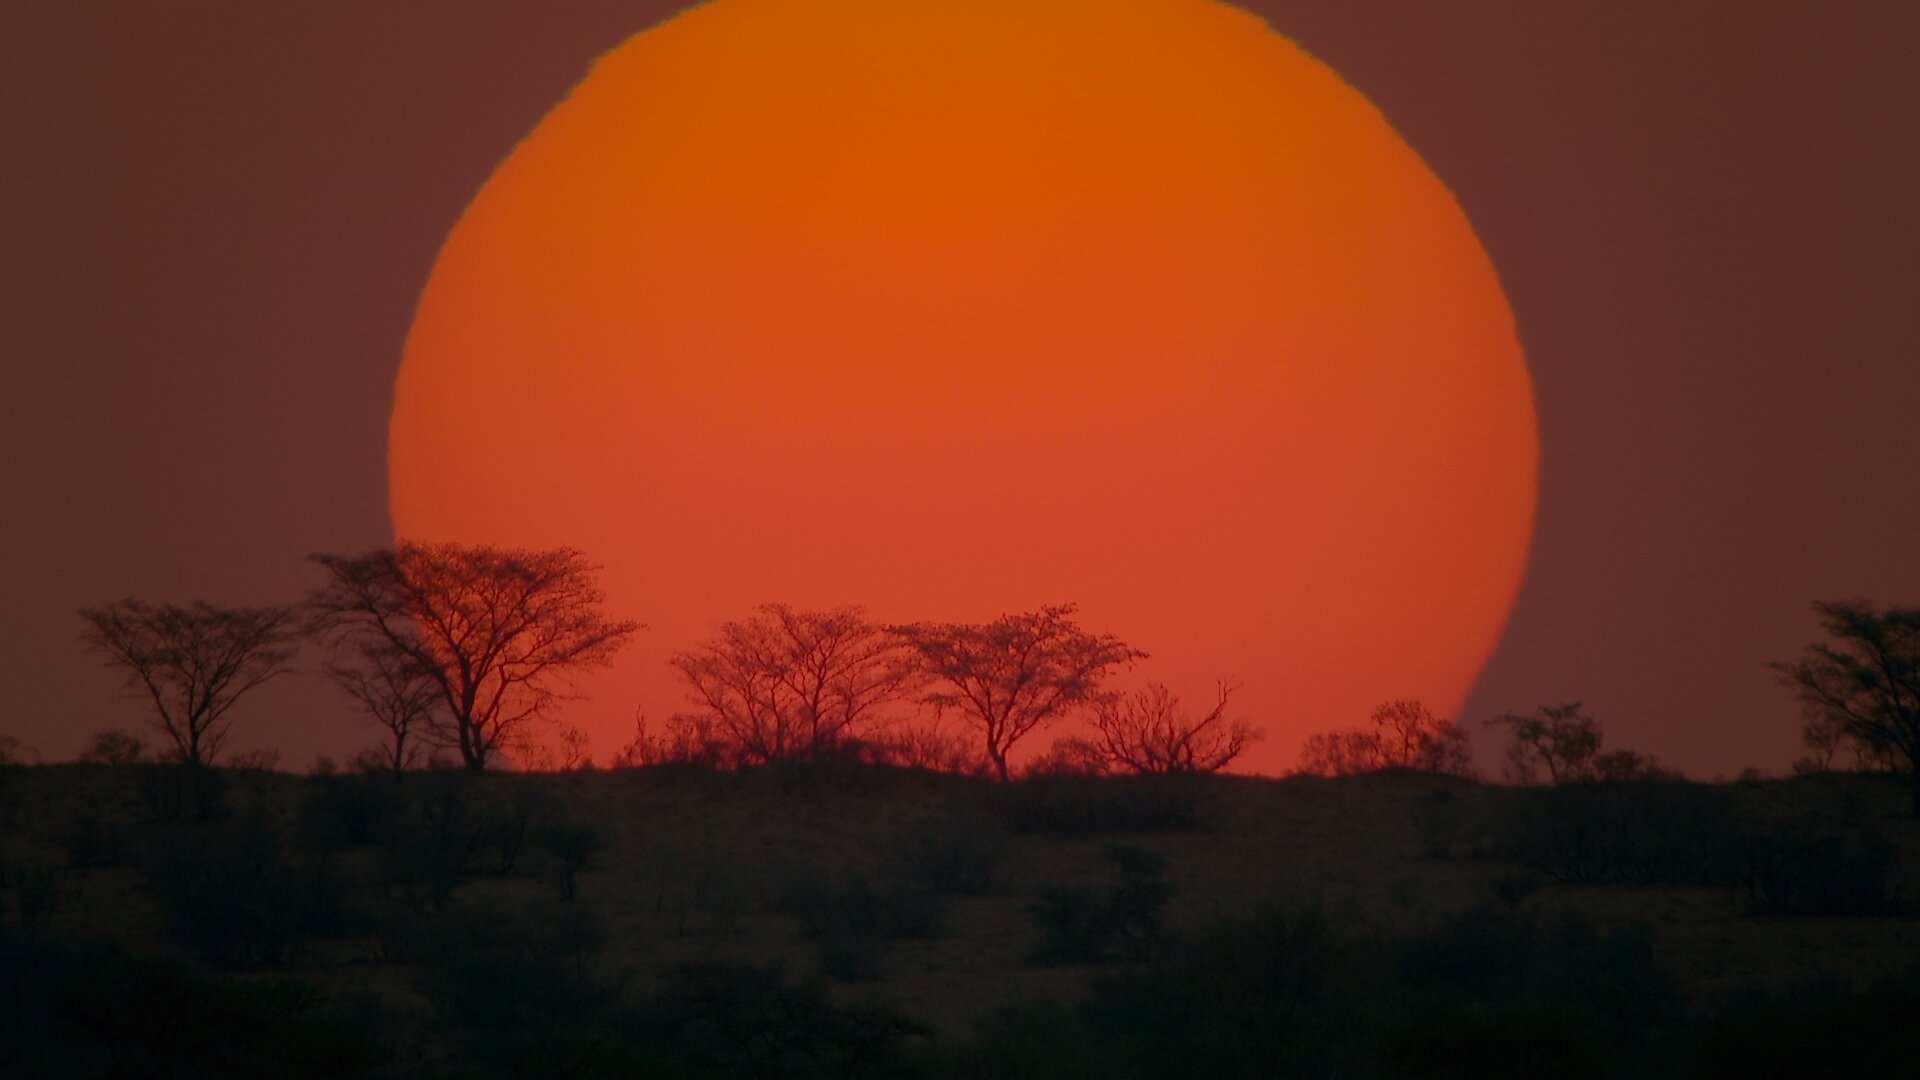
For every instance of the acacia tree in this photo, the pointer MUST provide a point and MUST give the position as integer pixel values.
(500, 633)
(1405, 735)
(1010, 676)
(1560, 737)
(394, 691)
(1866, 682)
(794, 684)
(1148, 732)
(193, 661)
(1341, 753)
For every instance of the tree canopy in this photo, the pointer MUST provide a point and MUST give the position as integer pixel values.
(499, 632)
(795, 684)
(193, 661)
(1008, 677)
(1150, 732)
(1865, 681)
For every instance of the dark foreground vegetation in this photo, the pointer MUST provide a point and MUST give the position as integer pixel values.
(828, 919)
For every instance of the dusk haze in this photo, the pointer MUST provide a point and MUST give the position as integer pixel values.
(956, 539)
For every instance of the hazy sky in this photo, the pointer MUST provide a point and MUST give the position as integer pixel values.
(218, 218)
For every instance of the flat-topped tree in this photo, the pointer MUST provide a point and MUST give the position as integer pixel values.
(1012, 675)
(1866, 683)
(193, 661)
(500, 633)
(787, 684)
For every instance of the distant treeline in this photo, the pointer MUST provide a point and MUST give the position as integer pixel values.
(467, 650)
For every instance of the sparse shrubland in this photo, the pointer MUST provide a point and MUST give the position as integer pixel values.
(839, 918)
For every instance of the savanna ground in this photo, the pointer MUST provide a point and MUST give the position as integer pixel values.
(845, 920)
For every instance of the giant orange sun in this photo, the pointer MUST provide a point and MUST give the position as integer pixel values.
(962, 307)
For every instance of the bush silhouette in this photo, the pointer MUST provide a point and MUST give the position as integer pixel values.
(1643, 832)
(349, 811)
(1822, 871)
(493, 968)
(1082, 805)
(98, 1012)
(1085, 924)
(176, 792)
(731, 1020)
(958, 853)
(1819, 1029)
(233, 893)
(849, 915)
(91, 843)
(1279, 993)
(573, 846)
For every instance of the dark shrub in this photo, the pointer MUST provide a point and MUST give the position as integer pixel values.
(91, 843)
(99, 1012)
(448, 821)
(422, 866)
(1084, 924)
(955, 853)
(1490, 993)
(234, 894)
(1816, 871)
(175, 792)
(506, 817)
(1814, 1030)
(1665, 832)
(490, 968)
(573, 846)
(1136, 907)
(726, 1020)
(348, 811)
(1279, 994)
(37, 892)
(1079, 805)
(850, 915)
(1073, 922)
(830, 775)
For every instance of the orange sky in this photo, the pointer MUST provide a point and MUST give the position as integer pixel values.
(957, 309)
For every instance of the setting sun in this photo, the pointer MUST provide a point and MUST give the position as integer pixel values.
(958, 308)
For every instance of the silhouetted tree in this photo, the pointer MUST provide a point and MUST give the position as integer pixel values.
(193, 661)
(114, 747)
(1405, 735)
(1866, 681)
(1069, 756)
(1007, 677)
(1822, 734)
(1341, 753)
(1560, 737)
(1628, 765)
(395, 691)
(499, 632)
(794, 684)
(1148, 732)
(685, 740)
(924, 743)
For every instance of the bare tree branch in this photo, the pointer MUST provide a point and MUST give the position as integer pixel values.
(1010, 676)
(193, 662)
(499, 633)
(1865, 686)
(1148, 732)
(795, 684)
